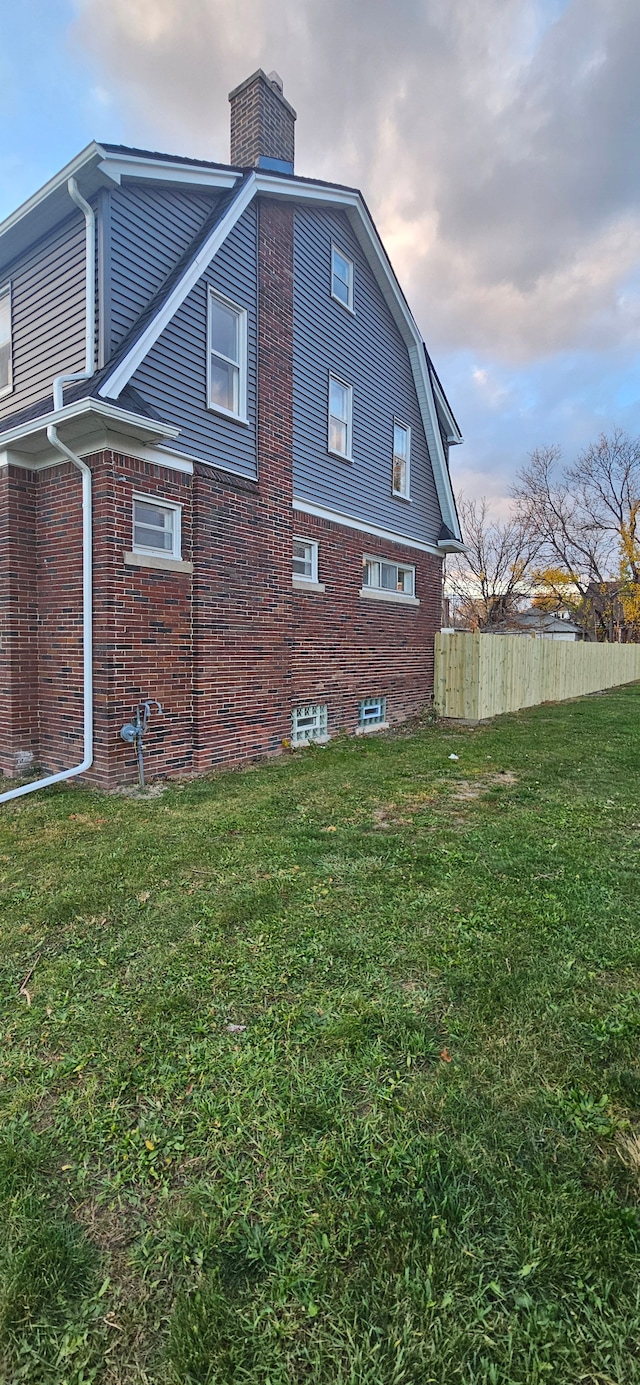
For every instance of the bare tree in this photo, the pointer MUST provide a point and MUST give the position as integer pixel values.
(587, 518)
(490, 579)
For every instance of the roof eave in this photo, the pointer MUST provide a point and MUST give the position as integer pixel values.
(30, 437)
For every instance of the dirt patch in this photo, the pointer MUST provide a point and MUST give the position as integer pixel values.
(466, 790)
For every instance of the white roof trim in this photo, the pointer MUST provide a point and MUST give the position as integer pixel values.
(454, 435)
(78, 409)
(119, 166)
(352, 202)
(59, 181)
(307, 507)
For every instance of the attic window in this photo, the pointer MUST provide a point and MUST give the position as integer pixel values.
(6, 363)
(401, 457)
(341, 278)
(227, 383)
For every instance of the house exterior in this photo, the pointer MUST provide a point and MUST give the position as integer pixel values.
(546, 625)
(257, 535)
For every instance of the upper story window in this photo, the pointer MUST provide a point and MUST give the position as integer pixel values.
(156, 527)
(401, 459)
(388, 577)
(340, 416)
(227, 383)
(305, 560)
(341, 278)
(6, 363)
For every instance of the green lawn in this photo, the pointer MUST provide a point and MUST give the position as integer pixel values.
(417, 1160)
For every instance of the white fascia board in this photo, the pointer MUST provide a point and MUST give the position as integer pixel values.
(151, 427)
(351, 201)
(454, 435)
(115, 383)
(451, 546)
(60, 180)
(308, 507)
(119, 166)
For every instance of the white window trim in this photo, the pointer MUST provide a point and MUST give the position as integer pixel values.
(5, 291)
(313, 545)
(241, 416)
(159, 500)
(406, 494)
(344, 456)
(382, 593)
(348, 307)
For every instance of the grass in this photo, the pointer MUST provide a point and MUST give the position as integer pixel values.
(330, 1070)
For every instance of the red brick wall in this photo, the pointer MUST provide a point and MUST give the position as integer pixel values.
(18, 618)
(242, 588)
(59, 572)
(346, 647)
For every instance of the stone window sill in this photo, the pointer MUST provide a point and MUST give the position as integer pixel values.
(156, 561)
(301, 584)
(399, 598)
(369, 730)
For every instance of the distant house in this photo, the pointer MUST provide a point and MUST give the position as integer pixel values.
(226, 354)
(543, 624)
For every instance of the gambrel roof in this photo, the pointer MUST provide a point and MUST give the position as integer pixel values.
(102, 165)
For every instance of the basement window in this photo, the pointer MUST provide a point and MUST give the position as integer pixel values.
(227, 374)
(309, 724)
(156, 527)
(372, 712)
(6, 358)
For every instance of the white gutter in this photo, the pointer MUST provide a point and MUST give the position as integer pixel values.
(87, 525)
(90, 298)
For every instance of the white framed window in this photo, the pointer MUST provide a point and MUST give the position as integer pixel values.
(227, 357)
(305, 560)
(309, 724)
(340, 417)
(401, 459)
(156, 527)
(6, 352)
(380, 575)
(341, 278)
(372, 711)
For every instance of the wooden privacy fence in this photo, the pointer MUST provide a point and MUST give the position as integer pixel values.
(480, 676)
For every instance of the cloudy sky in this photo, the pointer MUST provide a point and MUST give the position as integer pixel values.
(496, 141)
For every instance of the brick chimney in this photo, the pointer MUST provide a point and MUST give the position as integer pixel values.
(262, 124)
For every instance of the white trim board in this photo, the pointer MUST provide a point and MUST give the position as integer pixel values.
(307, 507)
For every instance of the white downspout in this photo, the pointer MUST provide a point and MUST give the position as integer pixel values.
(87, 524)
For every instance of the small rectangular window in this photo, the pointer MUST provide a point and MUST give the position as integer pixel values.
(308, 724)
(341, 278)
(156, 527)
(305, 559)
(390, 577)
(372, 711)
(227, 377)
(340, 415)
(401, 459)
(6, 361)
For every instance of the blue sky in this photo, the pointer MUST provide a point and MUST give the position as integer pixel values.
(496, 145)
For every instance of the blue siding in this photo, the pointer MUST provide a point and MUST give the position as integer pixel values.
(48, 313)
(173, 377)
(367, 351)
(150, 228)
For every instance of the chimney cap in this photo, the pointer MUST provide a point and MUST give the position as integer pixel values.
(273, 81)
